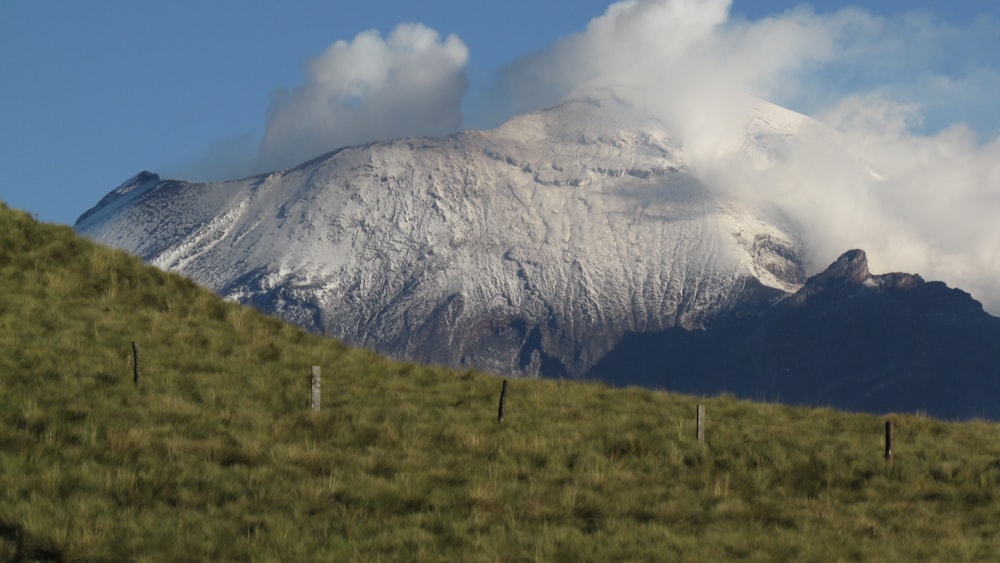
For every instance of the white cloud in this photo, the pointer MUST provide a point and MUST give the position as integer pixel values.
(410, 83)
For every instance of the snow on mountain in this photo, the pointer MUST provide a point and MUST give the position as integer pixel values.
(527, 249)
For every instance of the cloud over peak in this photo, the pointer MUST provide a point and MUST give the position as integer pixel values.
(409, 83)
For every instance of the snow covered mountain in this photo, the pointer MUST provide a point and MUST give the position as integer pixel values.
(529, 249)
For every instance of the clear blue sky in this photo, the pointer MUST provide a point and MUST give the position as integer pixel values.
(93, 92)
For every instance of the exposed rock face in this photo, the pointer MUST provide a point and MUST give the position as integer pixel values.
(847, 338)
(529, 249)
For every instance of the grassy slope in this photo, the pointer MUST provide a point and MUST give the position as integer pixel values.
(217, 456)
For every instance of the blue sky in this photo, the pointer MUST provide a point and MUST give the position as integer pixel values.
(93, 92)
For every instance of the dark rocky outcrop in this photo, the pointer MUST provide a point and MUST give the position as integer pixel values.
(847, 339)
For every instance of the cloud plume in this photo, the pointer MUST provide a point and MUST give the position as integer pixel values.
(410, 83)
(371, 88)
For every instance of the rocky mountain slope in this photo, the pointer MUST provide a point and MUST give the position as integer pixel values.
(847, 338)
(529, 249)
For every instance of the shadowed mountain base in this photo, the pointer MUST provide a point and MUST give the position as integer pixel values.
(847, 339)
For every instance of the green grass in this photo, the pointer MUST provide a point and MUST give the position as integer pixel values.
(216, 455)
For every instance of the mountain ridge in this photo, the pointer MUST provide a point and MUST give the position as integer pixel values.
(848, 339)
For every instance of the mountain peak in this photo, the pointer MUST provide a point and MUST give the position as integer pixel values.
(846, 275)
(138, 179)
(849, 275)
(125, 192)
(851, 266)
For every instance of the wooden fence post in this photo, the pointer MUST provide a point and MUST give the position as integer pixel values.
(503, 397)
(135, 364)
(315, 388)
(701, 424)
(889, 438)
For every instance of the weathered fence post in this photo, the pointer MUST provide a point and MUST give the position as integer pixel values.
(315, 387)
(889, 438)
(503, 397)
(701, 424)
(135, 364)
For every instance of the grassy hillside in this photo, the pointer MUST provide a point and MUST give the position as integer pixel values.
(215, 455)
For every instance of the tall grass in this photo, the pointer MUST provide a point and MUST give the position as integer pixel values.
(216, 455)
